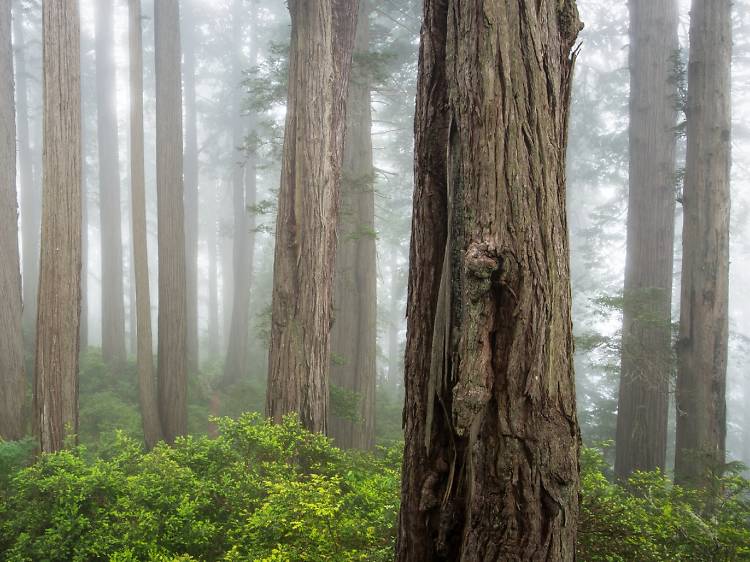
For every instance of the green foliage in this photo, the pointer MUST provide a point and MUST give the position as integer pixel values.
(654, 520)
(344, 403)
(258, 492)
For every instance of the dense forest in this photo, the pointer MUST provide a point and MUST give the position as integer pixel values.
(374, 280)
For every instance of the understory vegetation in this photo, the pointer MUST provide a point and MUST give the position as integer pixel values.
(264, 492)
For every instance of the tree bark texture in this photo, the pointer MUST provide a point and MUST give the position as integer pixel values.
(113, 293)
(191, 187)
(491, 461)
(147, 389)
(354, 332)
(12, 380)
(703, 339)
(30, 196)
(643, 404)
(319, 66)
(244, 187)
(58, 305)
(172, 373)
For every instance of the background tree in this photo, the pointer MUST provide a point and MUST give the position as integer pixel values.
(113, 308)
(643, 404)
(12, 380)
(320, 58)
(704, 310)
(491, 461)
(172, 369)
(58, 312)
(354, 332)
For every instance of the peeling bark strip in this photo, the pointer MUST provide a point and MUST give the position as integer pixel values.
(58, 319)
(643, 402)
(12, 380)
(491, 461)
(704, 309)
(320, 59)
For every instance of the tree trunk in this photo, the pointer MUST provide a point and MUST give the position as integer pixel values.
(354, 332)
(169, 190)
(113, 293)
(702, 347)
(643, 405)
(30, 199)
(147, 389)
(491, 461)
(395, 353)
(191, 187)
(12, 380)
(244, 195)
(213, 348)
(320, 59)
(58, 306)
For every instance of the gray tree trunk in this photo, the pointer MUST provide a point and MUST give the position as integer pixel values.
(490, 467)
(702, 347)
(113, 293)
(354, 332)
(320, 59)
(643, 404)
(58, 306)
(12, 379)
(147, 389)
(172, 373)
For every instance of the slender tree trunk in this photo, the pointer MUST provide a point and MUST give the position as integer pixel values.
(84, 322)
(354, 332)
(169, 189)
(702, 347)
(643, 404)
(146, 379)
(113, 293)
(213, 348)
(395, 354)
(491, 462)
(244, 195)
(226, 245)
(191, 187)
(12, 379)
(58, 306)
(30, 199)
(320, 59)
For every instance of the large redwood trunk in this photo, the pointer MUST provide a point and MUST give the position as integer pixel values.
(647, 314)
(491, 462)
(704, 307)
(354, 333)
(320, 59)
(58, 305)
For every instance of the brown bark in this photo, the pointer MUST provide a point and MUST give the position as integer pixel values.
(319, 66)
(172, 373)
(58, 306)
(647, 314)
(30, 196)
(491, 461)
(147, 389)
(354, 332)
(113, 293)
(12, 380)
(191, 187)
(703, 340)
(243, 198)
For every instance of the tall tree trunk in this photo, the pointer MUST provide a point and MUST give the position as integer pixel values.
(113, 293)
(702, 347)
(354, 332)
(58, 306)
(395, 371)
(643, 405)
(213, 348)
(147, 389)
(30, 199)
(191, 186)
(320, 59)
(83, 338)
(491, 462)
(169, 190)
(244, 195)
(12, 380)
(226, 246)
